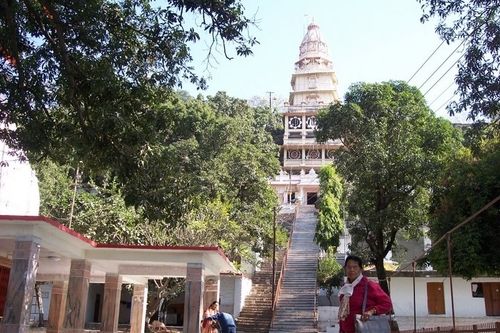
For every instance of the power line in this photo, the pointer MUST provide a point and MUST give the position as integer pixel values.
(418, 70)
(451, 84)
(453, 65)
(463, 41)
(452, 53)
(445, 103)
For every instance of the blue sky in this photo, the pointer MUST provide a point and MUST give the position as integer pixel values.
(369, 41)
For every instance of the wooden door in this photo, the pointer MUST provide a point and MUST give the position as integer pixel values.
(4, 283)
(491, 291)
(435, 298)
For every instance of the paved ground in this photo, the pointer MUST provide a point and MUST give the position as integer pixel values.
(407, 323)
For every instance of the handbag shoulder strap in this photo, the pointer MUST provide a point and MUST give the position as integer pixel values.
(364, 297)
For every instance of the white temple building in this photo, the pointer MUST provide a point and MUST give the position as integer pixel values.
(19, 194)
(314, 86)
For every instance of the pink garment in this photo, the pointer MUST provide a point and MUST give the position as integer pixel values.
(207, 325)
(376, 298)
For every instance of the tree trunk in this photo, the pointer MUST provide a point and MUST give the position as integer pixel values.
(382, 275)
(382, 278)
(39, 302)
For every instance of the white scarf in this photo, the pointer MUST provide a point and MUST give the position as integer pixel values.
(347, 290)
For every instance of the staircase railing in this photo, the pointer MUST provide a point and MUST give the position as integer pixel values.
(283, 266)
(315, 323)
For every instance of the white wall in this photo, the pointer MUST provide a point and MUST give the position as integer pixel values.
(402, 298)
(327, 319)
(234, 289)
(19, 194)
(465, 305)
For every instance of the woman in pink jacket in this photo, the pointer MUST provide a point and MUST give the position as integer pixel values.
(351, 296)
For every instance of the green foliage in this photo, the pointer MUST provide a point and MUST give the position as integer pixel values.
(99, 210)
(56, 185)
(273, 122)
(468, 183)
(330, 275)
(80, 77)
(204, 182)
(394, 147)
(330, 225)
(477, 23)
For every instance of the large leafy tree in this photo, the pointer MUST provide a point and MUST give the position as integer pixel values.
(476, 22)
(468, 184)
(79, 77)
(203, 183)
(212, 150)
(393, 148)
(330, 225)
(92, 206)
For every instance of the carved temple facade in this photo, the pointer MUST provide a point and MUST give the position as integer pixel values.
(314, 86)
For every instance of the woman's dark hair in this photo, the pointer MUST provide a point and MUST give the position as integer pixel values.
(213, 303)
(355, 258)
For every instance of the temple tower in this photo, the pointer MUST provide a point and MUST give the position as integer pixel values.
(314, 86)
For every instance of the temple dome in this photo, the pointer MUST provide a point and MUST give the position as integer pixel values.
(313, 45)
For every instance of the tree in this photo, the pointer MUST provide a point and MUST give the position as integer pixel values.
(467, 184)
(99, 210)
(476, 23)
(79, 77)
(160, 293)
(271, 121)
(393, 148)
(330, 225)
(204, 182)
(39, 303)
(186, 191)
(330, 275)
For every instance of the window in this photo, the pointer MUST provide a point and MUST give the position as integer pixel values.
(311, 122)
(313, 154)
(477, 290)
(294, 154)
(313, 83)
(295, 122)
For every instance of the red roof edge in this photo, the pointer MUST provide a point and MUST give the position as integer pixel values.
(35, 218)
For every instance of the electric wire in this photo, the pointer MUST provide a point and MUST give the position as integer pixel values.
(435, 71)
(445, 103)
(442, 64)
(456, 61)
(453, 52)
(441, 94)
(418, 70)
(452, 66)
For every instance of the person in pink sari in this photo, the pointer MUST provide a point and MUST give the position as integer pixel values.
(207, 326)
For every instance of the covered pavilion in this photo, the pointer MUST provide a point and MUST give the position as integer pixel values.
(36, 248)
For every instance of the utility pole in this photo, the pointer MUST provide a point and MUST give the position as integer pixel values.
(273, 280)
(270, 99)
(75, 187)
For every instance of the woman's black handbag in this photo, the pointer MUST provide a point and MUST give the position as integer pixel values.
(376, 323)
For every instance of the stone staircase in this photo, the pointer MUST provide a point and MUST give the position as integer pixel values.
(255, 317)
(297, 301)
